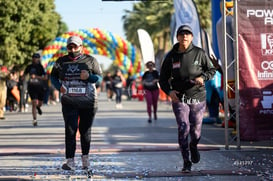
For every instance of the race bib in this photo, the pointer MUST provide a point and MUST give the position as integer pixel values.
(176, 65)
(72, 81)
(77, 91)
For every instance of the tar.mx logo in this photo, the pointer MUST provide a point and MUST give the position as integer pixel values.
(73, 68)
(267, 43)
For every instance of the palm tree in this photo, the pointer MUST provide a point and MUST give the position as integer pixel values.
(155, 18)
(152, 16)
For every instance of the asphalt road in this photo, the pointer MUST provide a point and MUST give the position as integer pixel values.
(124, 147)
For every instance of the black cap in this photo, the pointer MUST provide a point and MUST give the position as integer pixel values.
(36, 55)
(183, 28)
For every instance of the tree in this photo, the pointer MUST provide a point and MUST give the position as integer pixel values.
(152, 16)
(204, 11)
(155, 18)
(26, 27)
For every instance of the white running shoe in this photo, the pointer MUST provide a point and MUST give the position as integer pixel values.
(34, 122)
(85, 162)
(69, 165)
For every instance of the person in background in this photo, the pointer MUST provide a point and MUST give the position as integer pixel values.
(117, 81)
(37, 76)
(53, 93)
(107, 83)
(151, 90)
(3, 90)
(75, 75)
(46, 91)
(22, 86)
(129, 81)
(183, 74)
(98, 87)
(13, 94)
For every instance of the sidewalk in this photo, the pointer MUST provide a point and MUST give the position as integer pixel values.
(124, 147)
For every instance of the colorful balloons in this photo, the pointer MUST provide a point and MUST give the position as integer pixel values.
(96, 41)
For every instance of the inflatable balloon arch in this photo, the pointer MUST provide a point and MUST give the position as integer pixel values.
(100, 42)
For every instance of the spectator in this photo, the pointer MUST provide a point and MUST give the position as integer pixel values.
(107, 82)
(117, 82)
(3, 90)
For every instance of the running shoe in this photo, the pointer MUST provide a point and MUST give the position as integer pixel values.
(34, 122)
(69, 165)
(195, 155)
(187, 167)
(39, 110)
(85, 162)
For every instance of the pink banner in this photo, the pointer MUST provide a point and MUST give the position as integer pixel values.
(255, 29)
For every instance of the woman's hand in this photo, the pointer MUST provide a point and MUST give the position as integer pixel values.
(84, 75)
(32, 76)
(63, 89)
(173, 96)
(155, 81)
(199, 81)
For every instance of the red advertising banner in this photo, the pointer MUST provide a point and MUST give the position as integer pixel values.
(255, 40)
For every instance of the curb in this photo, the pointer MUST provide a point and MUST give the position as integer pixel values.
(22, 151)
(130, 175)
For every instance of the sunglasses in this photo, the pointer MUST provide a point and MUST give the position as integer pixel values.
(185, 33)
(71, 47)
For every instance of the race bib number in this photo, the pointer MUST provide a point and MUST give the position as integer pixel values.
(71, 79)
(77, 91)
(176, 65)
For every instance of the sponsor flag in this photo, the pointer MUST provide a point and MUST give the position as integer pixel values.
(146, 46)
(185, 13)
(255, 46)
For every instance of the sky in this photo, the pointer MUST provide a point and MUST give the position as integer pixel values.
(86, 14)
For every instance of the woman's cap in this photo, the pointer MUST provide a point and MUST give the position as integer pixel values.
(183, 28)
